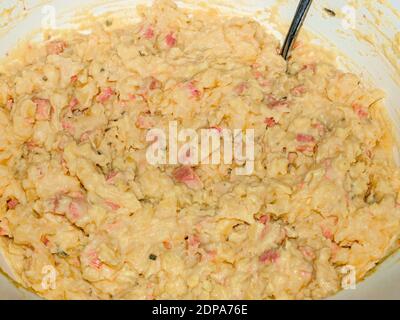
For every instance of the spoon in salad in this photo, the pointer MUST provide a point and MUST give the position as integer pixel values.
(299, 17)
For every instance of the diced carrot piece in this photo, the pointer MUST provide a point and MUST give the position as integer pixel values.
(56, 47)
(264, 219)
(154, 84)
(211, 254)
(68, 126)
(320, 127)
(4, 229)
(73, 103)
(311, 66)
(360, 111)
(194, 91)
(327, 233)
(10, 103)
(43, 108)
(274, 103)
(305, 138)
(44, 240)
(334, 249)
(297, 44)
(74, 78)
(187, 176)
(299, 90)
(95, 262)
(170, 40)
(307, 252)
(194, 241)
(167, 245)
(77, 209)
(12, 204)
(105, 95)
(239, 89)
(258, 74)
(270, 122)
(149, 33)
(110, 176)
(144, 122)
(269, 256)
(132, 97)
(114, 206)
(85, 136)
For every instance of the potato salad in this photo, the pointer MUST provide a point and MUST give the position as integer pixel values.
(79, 197)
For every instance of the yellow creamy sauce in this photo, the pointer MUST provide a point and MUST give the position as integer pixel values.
(78, 195)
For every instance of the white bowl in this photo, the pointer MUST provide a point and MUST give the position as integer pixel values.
(364, 39)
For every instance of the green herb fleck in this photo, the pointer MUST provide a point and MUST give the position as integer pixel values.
(330, 12)
(44, 78)
(153, 257)
(109, 23)
(62, 254)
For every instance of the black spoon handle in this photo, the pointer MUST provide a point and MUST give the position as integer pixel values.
(297, 22)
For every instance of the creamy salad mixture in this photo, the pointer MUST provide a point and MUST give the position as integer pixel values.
(77, 193)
